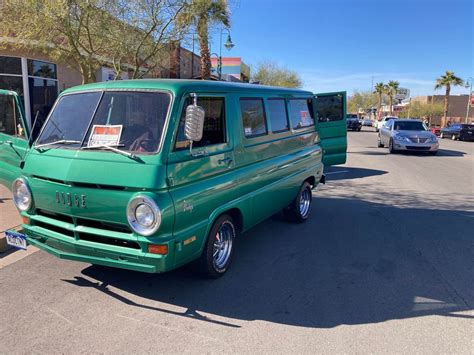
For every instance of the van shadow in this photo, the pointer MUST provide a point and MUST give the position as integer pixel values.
(353, 262)
(346, 173)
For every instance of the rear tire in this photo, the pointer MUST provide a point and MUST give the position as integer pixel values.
(299, 210)
(433, 152)
(217, 254)
(379, 143)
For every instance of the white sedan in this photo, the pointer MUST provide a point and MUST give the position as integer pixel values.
(407, 135)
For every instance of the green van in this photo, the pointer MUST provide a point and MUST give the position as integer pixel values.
(149, 175)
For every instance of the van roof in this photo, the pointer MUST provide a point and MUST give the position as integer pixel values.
(179, 85)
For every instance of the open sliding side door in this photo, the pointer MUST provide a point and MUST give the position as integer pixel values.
(14, 135)
(330, 117)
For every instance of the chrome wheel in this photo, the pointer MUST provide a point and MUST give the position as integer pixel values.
(222, 248)
(305, 202)
(453, 137)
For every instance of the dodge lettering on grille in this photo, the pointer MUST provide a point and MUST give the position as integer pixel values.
(71, 199)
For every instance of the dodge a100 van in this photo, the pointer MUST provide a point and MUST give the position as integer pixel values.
(149, 175)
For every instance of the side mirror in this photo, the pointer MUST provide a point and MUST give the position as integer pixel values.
(194, 123)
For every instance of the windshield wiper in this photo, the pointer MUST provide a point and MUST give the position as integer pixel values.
(61, 141)
(113, 149)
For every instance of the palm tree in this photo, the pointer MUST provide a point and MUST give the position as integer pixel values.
(391, 89)
(447, 80)
(202, 14)
(380, 91)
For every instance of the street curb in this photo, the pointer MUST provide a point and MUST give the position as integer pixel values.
(3, 243)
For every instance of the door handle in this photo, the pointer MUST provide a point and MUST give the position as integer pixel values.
(7, 142)
(225, 161)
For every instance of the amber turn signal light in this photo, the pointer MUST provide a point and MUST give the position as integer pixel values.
(25, 220)
(158, 249)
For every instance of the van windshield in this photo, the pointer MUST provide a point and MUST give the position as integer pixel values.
(129, 121)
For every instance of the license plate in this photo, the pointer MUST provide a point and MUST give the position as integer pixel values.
(16, 239)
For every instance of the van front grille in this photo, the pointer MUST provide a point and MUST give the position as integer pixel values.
(76, 228)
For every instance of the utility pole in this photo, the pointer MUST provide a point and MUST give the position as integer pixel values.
(469, 99)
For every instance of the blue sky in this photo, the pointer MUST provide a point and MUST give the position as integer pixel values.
(341, 44)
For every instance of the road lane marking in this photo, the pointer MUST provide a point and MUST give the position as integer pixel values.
(59, 315)
(337, 172)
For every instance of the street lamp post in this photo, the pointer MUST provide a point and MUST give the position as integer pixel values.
(469, 82)
(218, 62)
(229, 45)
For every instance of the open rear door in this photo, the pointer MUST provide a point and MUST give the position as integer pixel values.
(330, 116)
(13, 137)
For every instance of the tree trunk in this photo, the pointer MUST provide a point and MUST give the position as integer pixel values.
(446, 105)
(391, 105)
(203, 35)
(379, 105)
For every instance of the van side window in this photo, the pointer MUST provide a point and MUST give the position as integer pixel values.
(278, 115)
(301, 113)
(329, 108)
(10, 122)
(253, 117)
(214, 123)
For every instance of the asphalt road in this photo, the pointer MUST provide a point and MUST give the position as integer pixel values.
(384, 265)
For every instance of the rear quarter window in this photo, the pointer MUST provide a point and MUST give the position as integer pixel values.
(301, 114)
(253, 117)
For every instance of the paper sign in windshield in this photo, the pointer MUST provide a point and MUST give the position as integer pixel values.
(105, 135)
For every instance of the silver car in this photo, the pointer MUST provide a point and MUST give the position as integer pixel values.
(407, 135)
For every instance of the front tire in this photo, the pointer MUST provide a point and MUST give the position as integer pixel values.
(391, 149)
(299, 210)
(217, 254)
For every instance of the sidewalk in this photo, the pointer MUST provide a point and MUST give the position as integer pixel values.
(9, 216)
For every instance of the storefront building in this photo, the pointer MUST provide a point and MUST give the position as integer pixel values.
(233, 69)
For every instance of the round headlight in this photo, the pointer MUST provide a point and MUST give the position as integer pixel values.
(21, 195)
(143, 215)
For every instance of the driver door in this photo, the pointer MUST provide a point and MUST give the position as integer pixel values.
(330, 117)
(13, 137)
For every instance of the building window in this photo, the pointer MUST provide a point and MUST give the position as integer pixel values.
(10, 74)
(42, 69)
(10, 65)
(278, 115)
(253, 117)
(43, 90)
(37, 85)
(301, 113)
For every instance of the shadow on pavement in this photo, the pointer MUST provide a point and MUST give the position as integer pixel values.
(346, 173)
(370, 263)
(450, 153)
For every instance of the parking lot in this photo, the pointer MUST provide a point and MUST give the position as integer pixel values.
(385, 264)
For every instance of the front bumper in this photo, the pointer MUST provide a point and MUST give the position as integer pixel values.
(416, 147)
(68, 248)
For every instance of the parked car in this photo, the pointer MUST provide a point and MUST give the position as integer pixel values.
(463, 132)
(384, 119)
(353, 122)
(149, 175)
(407, 135)
(436, 130)
(367, 122)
